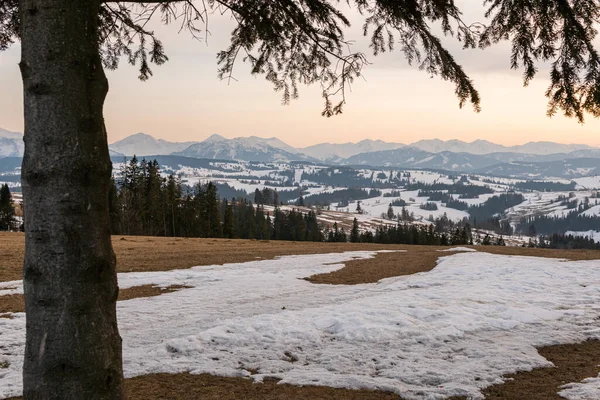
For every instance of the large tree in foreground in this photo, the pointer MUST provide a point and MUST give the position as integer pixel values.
(73, 348)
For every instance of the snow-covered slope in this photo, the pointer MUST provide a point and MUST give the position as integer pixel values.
(337, 151)
(278, 144)
(11, 144)
(10, 135)
(452, 154)
(549, 148)
(246, 149)
(486, 147)
(409, 156)
(458, 146)
(565, 168)
(142, 144)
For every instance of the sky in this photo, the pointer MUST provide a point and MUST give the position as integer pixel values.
(185, 101)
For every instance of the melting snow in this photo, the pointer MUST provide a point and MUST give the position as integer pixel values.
(465, 249)
(450, 331)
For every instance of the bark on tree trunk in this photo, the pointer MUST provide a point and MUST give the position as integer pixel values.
(73, 347)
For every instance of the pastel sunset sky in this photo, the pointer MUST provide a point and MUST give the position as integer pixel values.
(185, 100)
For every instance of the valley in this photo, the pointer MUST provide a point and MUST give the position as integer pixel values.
(517, 193)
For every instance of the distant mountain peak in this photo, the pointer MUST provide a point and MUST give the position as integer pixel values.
(4, 133)
(481, 147)
(251, 148)
(11, 144)
(140, 135)
(335, 152)
(214, 138)
(142, 144)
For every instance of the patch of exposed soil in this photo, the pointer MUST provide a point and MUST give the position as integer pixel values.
(147, 291)
(11, 303)
(209, 387)
(383, 265)
(573, 363)
(15, 302)
(143, 253)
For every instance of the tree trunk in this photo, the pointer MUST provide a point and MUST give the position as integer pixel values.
(73, 347)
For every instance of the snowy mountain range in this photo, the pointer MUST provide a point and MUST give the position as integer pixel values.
(246, 149)
(243, 148)
(337, 152)
(11, 144)
(141, 144)
(452, 155)
(482, 147)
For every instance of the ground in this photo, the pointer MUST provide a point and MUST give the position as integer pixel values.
(574, 362)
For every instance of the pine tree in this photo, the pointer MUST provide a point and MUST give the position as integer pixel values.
(487, 240)
(7, 211)
(301, 199)
(228, 223)
(354, 233)
(532, 231)
(172, 202)
(258, 197)
(390, 212)
(213, 215)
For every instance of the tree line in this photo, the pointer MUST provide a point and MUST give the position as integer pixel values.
(7, 210)
(403, 233)
(143, 202)
(563, 241)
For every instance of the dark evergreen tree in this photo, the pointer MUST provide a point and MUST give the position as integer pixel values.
(258, 197)
(228, 223)
(390, 212)
(354, 233)
(487, 240)
(212, 214)
(532, 232)
(7, 211)
(300, 199)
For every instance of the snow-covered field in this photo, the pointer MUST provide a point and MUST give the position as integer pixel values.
(450, 331)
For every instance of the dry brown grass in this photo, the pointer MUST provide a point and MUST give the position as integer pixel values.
(573, 363)
(147, 291)
(209, 387)
(16, 303)
(135, 254)
(383, 265)
(12, 251)
(141, 253)
(571, 255)
(424, 258)
(11, 303)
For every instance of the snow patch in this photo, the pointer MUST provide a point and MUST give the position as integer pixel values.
(460, 249)
(451, 331)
